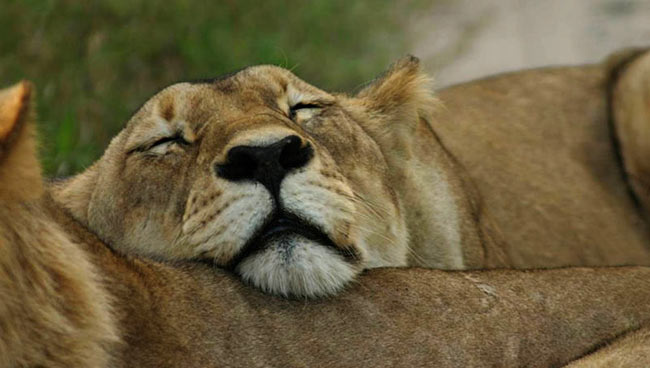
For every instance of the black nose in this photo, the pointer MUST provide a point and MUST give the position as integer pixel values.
(267, 165)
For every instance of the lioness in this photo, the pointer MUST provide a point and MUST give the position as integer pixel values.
(297, 190)
(56, 278)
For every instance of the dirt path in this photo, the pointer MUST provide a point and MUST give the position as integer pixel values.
(466, 39)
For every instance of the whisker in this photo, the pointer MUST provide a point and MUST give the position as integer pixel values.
(380, 210)
(418, 258)
(412, 253)
(362, 203)
(213, 215)
(354, 197)
(381, 235)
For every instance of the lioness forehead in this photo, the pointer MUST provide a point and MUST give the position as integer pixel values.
(241, 91)
(223, 106)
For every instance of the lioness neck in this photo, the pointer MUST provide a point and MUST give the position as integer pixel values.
(442, 211)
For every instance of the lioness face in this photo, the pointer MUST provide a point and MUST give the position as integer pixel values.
(258, 172)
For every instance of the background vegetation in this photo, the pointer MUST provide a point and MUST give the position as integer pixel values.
(95, 62)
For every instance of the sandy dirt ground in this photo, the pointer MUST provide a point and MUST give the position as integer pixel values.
(466, 39)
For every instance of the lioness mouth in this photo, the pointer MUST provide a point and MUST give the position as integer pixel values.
(282, 225)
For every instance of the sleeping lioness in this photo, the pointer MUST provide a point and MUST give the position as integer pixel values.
(297, 190)
(68, 300)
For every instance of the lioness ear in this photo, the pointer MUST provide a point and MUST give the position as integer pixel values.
(20, 171)
(401, 96)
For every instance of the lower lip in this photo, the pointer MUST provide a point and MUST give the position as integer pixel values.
(286, 227)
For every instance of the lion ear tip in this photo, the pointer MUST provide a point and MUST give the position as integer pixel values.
(412, 58)
(20, 90)
(27, 86)
(409, 62)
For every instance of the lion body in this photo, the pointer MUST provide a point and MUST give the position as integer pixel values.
(541, 153)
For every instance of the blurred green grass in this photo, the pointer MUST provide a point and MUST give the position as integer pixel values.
(95, 62)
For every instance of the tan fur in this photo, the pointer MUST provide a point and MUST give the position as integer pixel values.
(629, 351)
(540, 150)
(54, 311)
(169, 203)
(631, 111)
(19, 169)
(196, 315)
(395, 180)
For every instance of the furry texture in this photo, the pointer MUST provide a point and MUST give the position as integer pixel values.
(19, 169)
(168, 201)
(494, 179)
(629, 351)
(631, 112)
(54, 310)
(361, 189)
(539, 149)
(196, 315)
(320, 271)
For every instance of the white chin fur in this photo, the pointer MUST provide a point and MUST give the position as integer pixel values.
(296, 266)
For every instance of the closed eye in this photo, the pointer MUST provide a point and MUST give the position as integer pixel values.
(175, 139)
(157, 146)
(303, 106)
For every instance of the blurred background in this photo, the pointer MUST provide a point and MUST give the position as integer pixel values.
(95, 62)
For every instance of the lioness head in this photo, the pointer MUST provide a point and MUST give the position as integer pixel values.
(261, 173)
